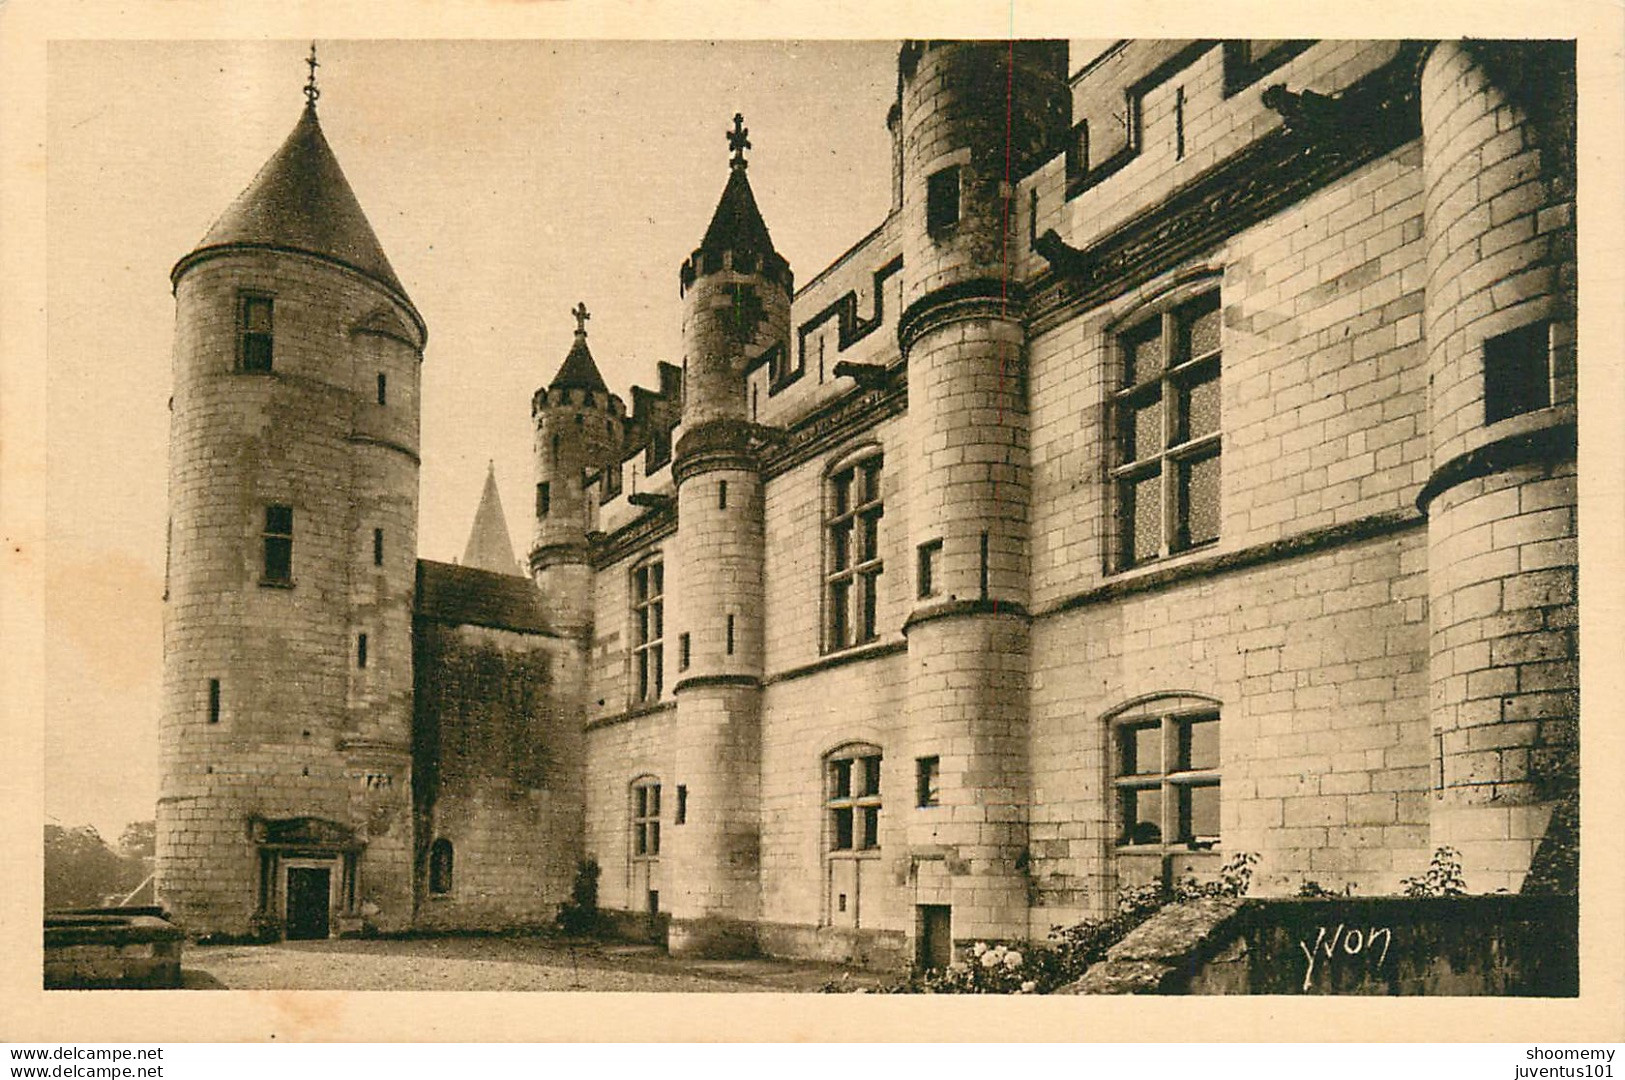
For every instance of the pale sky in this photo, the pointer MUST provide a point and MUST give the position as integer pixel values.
(506, 181)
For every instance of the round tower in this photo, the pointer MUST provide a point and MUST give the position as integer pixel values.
(579, 429)
(975, 117)
(1498, 220)
(737, 292)
(293, 484)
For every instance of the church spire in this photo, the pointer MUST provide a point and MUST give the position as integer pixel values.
(489, 545)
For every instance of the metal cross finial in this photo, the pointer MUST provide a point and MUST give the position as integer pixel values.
(738, 142)
(581, 316)
(311, 92)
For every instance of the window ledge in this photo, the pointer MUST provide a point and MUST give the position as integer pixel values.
(271, 583)
(1161, 562)
(867, 853)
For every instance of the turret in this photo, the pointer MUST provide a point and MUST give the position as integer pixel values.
(974, 117)
(1499, 321)
(736, 289)
(580, 426)
(293, 485)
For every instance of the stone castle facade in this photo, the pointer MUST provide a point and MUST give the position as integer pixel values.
(1185, 466)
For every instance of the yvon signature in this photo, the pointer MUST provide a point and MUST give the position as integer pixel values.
(1351, 941)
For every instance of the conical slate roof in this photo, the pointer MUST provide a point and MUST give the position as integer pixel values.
(737, 224)
(489, 546)
(300, 201)
(578, 371)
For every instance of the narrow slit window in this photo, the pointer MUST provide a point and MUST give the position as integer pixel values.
(277, 541)
(942, 200)
(377, 547)
(214, 701)
(383, 389)
(730, 635)
(722, 495)
(1179, 122)
(544, 498)
(682, 805)
(682, 651)
(361, 650)
(256, 333)
(440, 865)
(930, 553)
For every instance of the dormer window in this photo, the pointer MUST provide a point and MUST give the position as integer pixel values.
(254, 325)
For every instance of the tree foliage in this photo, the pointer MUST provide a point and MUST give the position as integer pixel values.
(82, 871)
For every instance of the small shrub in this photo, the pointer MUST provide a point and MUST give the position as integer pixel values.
(579, 915)
(1443, 876)
(1314, 890)
(1040, 968)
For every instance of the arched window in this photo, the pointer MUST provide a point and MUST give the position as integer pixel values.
(440, 867)
(852, 797)
(1165, 769)
(852, 564)
(645, 818)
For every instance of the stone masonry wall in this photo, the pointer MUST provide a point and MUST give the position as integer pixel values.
(284, 656)
(1323, 385)
(1320, 668)
(499, 775)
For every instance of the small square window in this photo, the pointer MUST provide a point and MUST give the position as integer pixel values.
(942, 200)
(927, 770)
(1517, 372)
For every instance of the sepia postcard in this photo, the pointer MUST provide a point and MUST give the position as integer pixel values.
(846, 510)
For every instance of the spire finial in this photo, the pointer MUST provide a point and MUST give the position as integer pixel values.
(738, 142)
(581, 317)
(311, 91)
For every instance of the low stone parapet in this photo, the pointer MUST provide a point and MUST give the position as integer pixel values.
(1502, 944)
(112, 948)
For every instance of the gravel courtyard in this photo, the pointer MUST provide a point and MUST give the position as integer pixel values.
(493, 963)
